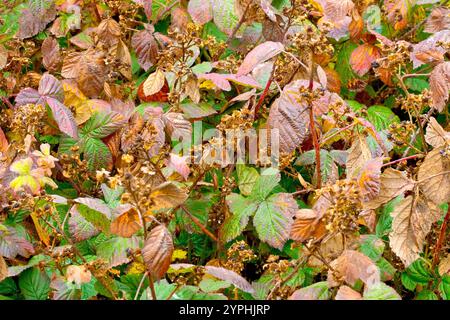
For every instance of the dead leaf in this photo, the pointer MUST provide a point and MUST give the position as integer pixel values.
(436, 135)
(347, 293)
(444, 265)
(308, 225)
(438, 20)
(231, 277)
(412, 220)
(440, 85)
(369, 178)
(192, 89)
(78, 274)
(200, 11)
(358, 155)
(108, 32)
(393, 183)
(157, 251)
(3, 57)
(146, 47)
(167, 195)
(434, 184)
(3, 269)
(352, 265)
(154, 82)
(51, 57)
(127, 223)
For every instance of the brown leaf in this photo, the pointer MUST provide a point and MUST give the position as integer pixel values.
(333, 80)
(436, 135)
(431, 43)
(177, 126)
(3, 57)
(51, 57)
(434, 184)
(167, 195)
(192, 89)
(127, 223)
(108, 32)
(362, 57)
(358, 155)
(352, 265)
(146, 47)
(347, 293)
(308, 225)
(412, 220)
(369, 178)
(88, 69)
(431, 56)
(444, 265)
(336, 10)
(440, 85)
(439, 19)
(157, 251)
(397, 12)
(124, 57)
(3, 269)
(78, 274)
(259, 54)
(154, 82)
(35, 18)
(290, 118)
(392, 184)
(3, 142)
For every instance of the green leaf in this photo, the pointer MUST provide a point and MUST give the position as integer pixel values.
(197, 111)
(273, 219)
(115, 250)
(408, 282)
(419, 272)
(242, 208)
(444, 287)
(102, 124)
(213, 285)
(385, 220)
(34, 284)
(426, 295)
(387, 270)
(247, 178)
(372, 247)
(97, 154)
(343, 68)
(224, 13)
(112, 196)
(381, 291)
(268, 180)
(316, 291)
(381, 117)
(98, 219)
(417, 84)
(8, 286)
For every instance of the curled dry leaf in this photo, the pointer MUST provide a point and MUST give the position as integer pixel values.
(358, 155)
(412, 220)
(440, 85)
(369, 178)
(444, 265)
(157, 251)
(431, 43)
(352, 265)
(3, 57)
(434, 176)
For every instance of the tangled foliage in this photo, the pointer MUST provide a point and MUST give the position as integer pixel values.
(110, 188)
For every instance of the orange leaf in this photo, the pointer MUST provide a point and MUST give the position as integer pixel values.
(362, 57)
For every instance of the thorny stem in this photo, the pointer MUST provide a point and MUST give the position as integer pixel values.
(442, 235)
(264, 94)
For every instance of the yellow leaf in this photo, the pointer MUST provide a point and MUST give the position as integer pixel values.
(43, 235)
(179, 254)
(154, 83)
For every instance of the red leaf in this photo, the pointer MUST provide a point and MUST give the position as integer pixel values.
(260, 54)
(362, 57)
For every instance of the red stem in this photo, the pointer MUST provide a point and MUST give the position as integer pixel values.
(442, 236)
(402, 159)
(263, 96)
